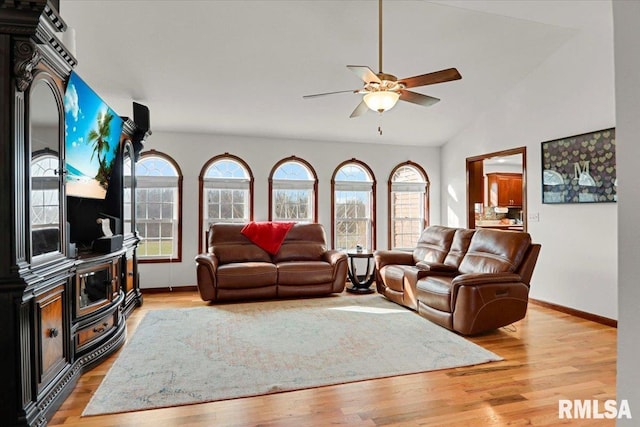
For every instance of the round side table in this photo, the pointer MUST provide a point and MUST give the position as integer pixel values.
(361, 284)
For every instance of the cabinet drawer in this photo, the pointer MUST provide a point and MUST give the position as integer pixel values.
(89, 334)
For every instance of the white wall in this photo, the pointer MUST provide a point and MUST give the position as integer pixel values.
(572, 92)
(627, 33)
(192, 151)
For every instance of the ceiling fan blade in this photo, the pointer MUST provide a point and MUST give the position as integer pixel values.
(418, 98)
(330, 93)
(432, 78)
(360, 110)
(364, 73)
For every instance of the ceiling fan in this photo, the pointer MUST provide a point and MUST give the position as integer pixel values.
(381, 91)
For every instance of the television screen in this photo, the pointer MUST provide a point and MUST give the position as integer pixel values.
(92, 134)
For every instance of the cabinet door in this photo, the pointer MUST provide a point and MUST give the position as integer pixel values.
(115, 278)
(515, 191)
(128, 189)
(498, 186)
(94, 288)
(129, 280)
(50, 315)
(504, 190)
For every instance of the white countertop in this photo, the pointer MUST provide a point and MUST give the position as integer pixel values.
(489, 223)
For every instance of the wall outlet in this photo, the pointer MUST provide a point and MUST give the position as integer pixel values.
(534, 217)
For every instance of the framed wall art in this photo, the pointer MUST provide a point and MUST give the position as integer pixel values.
(580, 168)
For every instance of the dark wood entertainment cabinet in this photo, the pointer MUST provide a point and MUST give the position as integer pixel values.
(61, 311)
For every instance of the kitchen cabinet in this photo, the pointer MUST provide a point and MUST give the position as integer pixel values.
(505, 189)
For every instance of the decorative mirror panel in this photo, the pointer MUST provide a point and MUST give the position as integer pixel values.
(45, 170)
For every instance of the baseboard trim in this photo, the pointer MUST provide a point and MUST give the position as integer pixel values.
(169, 289)
(578, 313)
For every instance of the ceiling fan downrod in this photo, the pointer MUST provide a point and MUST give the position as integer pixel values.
(380, 36)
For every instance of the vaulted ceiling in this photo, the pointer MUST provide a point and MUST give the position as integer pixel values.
(242, 67)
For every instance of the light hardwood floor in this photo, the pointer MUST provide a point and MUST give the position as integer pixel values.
(547, 356)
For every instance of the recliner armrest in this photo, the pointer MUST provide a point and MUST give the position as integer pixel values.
(383, 258)
(208, 260)
(206, 267)
(479, 280)
(333, 257)
(473, 279)
(437, 267)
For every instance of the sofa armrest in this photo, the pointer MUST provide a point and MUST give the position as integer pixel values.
(338, 261)
(483, 301)
(333, 256)
(210, 260)
(207, 265)
(438, 267)
(474, 279)
(383, 258)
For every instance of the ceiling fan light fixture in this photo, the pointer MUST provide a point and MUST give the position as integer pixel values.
(382, 100)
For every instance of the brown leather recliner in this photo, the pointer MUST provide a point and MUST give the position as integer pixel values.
(236, 269)
(469, 281)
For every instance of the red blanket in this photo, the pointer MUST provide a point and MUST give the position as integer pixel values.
(268, 235)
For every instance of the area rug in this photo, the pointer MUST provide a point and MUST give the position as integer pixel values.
(215, 352)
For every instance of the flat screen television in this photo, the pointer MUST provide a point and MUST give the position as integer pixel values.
(92, 137)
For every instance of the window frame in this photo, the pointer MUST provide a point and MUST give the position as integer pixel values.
(202, 243)
(305, 164)
(373, 207)
(390, 182)
(159, 260)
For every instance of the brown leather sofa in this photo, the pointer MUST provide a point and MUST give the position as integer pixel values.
(469, 281)
(236, 269)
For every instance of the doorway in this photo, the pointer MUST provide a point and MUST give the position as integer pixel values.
(497, 180)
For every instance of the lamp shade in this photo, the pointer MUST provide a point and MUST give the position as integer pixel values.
(382, 100)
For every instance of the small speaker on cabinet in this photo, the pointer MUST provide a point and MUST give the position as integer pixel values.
(141, 117)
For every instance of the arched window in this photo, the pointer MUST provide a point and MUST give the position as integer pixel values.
(293, 190)
(45, 189)
(408, 205)
(226, 192)
(158, 207)
(353, 202)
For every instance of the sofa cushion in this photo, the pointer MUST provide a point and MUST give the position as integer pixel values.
(433, 244)
(229, 245)
(267, 235)
(495, 251)
(459, 247)
(246, 275)
(435, 291)
(304, 242)
(232, 253)
(394, 275)
(304, 272)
